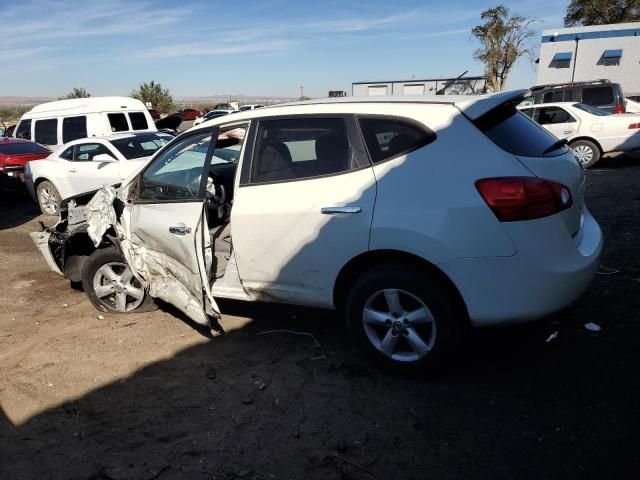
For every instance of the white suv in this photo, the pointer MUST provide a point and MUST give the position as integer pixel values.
(413, 218)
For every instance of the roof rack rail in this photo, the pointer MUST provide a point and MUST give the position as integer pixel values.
(569, 84)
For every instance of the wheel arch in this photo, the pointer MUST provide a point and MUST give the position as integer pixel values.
(363, 262)
(78, 248)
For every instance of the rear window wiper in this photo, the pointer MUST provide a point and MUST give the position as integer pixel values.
(555, 145)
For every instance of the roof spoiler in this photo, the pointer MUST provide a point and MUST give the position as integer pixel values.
(478, 106)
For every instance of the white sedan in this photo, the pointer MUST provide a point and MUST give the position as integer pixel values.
(590, 131)
(85, 165)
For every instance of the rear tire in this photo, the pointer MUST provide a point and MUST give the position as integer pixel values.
(404, 319)
(110, 285)
(586, 152)
(48, 198)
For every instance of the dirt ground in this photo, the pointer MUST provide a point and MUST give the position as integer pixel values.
(148, 397)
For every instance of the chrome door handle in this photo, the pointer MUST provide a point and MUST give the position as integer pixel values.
(334, 210)
(180, 229)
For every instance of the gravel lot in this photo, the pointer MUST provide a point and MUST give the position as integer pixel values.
(148, 397)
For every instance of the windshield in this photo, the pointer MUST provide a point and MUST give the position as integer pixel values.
(22, 148)
(141, 145)
(592, 110)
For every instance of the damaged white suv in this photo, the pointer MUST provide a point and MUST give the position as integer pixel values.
(414, 218)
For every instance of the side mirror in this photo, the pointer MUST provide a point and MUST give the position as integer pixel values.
(104, 158)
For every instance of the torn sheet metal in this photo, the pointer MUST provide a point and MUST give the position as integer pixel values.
(163, 276)
(41, 239)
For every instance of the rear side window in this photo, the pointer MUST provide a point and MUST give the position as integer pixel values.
(118, 122)
(551, 115)
(597, 95)
(514, 132)
(24, 130)
(388, 137)
(558, 96)
(46, 131)
(74, 128)
(300, 148)
(138, 121)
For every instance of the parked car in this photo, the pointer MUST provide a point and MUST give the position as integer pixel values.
(15, 153)
(602, 94)
(188, 114)
(57, 123)
(374, 208)
(211, 115)
(87, 164)
(252, 106)
(155, 114)
(590, 132)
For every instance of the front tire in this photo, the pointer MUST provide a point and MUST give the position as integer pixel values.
(110, 285)
(586, 152)
(404, 319)
(48, 198)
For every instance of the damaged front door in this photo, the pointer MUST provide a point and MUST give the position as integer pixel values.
(168, 229)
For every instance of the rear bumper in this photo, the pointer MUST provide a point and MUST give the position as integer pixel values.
(549, 272)
(41, 239)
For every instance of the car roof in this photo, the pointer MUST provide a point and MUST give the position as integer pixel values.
(120, 135)
(473, 106)
(95, 103)
(6, 140)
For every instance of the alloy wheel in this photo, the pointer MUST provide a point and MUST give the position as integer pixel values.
(399, 325)
(48, 200)
(117, 288)
(584, 153)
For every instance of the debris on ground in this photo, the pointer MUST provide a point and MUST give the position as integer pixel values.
(65, 305)
(592, 327)
(552, 337)
(100, 317)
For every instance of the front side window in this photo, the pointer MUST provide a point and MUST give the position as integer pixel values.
(597, 95)
(118, 122)
(74, 128)
(176, 173)
(298, 148)
(24, 130)
(87, 151)
(138, 121)
(389, 137)
(46, 131)
(551, 115)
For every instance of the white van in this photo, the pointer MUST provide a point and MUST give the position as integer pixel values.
(56, 123)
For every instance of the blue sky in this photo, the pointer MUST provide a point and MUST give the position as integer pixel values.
(268, 47)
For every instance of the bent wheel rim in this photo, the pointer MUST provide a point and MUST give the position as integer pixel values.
(399, 325)
(48, 200)
(117, 288)
(584, 153)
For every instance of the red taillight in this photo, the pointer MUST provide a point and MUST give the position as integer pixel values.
(523, 198)
(633, 126)
(619, 108)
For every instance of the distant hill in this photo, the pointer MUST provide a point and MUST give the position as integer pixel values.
(213, 99)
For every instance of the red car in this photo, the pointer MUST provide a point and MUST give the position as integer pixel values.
(16, 152)
(155, 114)
(188, 114)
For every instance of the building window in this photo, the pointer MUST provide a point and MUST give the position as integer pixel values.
(611, 57)
(377, 90)
(561, 60)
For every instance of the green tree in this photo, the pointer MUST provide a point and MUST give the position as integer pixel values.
(152, 92)
(601, 12)
(504, 39)
(76, 93)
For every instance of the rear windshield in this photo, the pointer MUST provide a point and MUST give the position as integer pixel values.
(22, 148)
(592, 110)
(516, 133)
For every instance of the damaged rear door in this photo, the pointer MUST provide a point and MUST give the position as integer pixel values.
(167, 226)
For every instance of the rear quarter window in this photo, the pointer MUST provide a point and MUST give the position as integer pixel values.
(388, 137)
(516, 133)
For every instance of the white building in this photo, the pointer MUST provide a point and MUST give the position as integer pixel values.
(429, 86)
(591, 53)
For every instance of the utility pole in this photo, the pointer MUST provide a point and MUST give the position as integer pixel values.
(301, 92)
